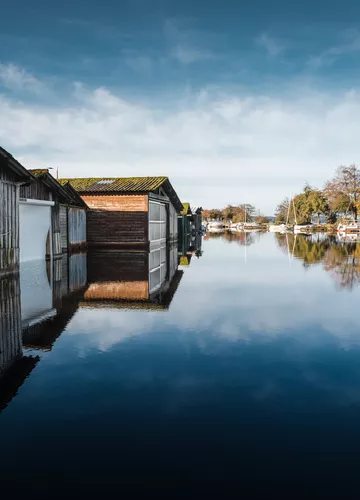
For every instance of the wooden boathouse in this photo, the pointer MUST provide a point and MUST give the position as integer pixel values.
(67, 215)
(137, 212)
(12, 175)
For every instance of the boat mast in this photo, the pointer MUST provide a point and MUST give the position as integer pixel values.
(294, 211)
(288, 212)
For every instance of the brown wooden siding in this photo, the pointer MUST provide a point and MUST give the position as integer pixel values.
(122, 228)
(56, 235)
(77, 227)
(36, 191)
(64, 227)
(173, 223)
(9, 227)
(119, 203)
(6, 174)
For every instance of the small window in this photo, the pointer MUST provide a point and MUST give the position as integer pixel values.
(105, 182)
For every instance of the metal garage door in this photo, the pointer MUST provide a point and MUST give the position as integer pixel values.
(35, 226)
(157, 235)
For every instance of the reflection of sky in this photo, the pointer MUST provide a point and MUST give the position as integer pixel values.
(236, 296)
(251, 356)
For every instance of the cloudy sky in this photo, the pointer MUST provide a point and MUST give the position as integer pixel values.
(234, 101)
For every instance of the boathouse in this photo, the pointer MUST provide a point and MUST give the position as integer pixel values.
(185, 221)
(197, 218)
(56, 214)
(137, 212)
(12, 175)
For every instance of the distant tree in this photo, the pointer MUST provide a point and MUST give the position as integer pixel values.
(215, 213)
(261, 219)
(229, 212)
(206, 214)
(319, 204)
(343, 191)
(282, 210)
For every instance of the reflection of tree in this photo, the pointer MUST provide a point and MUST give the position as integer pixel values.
(341, 259)
(242, 238)
(308, 250)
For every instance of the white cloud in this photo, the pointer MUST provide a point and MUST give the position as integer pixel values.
(350, 45)
(188, 55)
(272, 47)
(139, 64)
(185, 44)
(15, 78)
(217, 148)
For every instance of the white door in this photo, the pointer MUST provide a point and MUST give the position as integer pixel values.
(35, 226)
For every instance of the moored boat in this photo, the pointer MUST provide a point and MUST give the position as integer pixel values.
(216, 227)
(349, 227)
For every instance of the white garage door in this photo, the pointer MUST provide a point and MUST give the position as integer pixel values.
(157, 223)
(35, 223)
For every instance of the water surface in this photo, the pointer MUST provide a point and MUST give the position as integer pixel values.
(243, 374)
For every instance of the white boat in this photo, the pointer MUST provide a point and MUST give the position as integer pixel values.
(234, 227)
(349, 237)
(216, 227)
(349, 227)
(279, 228)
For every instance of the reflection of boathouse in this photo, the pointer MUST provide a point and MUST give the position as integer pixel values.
(14, 366)
(49, 302)
(132, 279)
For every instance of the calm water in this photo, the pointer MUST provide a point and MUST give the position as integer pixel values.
(244, 374)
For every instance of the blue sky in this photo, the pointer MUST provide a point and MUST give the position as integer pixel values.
(234, 101)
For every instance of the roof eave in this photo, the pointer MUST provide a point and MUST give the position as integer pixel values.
(15, 166)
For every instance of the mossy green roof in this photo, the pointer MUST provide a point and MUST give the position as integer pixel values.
(186, 210)
(184, 260)
(115, 184)
(37, 172)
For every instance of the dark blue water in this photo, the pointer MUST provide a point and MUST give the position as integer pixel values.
(246, 382)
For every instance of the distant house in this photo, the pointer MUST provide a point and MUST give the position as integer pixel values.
(12, 175)
(135, 212)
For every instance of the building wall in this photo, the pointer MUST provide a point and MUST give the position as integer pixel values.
(118, 203)
(64, 227)
(38, 191)
(117, 220)
(173, 223)
(77, 227)
(9, 224)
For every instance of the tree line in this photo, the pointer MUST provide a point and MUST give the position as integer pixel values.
(235, 213)
(339, 196)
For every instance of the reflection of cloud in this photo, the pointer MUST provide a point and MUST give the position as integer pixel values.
(104, 328)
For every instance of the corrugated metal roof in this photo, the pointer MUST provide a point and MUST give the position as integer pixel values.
(115, 184)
